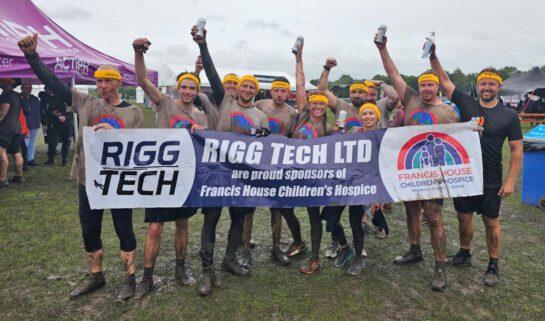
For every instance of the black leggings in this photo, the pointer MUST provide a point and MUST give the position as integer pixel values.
(315, 230)
(210, 223)
(333, 214)
(291, 220)
(91, 225)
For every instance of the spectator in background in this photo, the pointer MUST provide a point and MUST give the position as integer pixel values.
(10, 131)
(60, 126)
(31, 109)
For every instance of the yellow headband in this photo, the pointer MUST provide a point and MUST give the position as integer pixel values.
(490, 75)
(249, 78)
(230, 78)
(281, 85)
(358, 86)
(371, 106)
(370, 84)
(189, 76)
(318, 97)
(428, 77)
(108, 74)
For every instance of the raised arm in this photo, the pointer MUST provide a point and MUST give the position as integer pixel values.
(323, 84)
(300, 90)
(140, 46)
(444, 81)
(28, 46)
(391, 70)
(391, 96)
(208, 64)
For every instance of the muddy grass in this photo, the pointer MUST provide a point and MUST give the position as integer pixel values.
(41, 257)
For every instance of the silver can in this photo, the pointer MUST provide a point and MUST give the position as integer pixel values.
(201, 22)
(298, 44)
(381, 33)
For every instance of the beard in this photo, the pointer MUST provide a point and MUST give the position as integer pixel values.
(489, 99)
(358, 102)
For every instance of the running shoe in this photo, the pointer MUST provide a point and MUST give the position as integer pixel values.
(311, 265)
(492, 275)
(295, 249)
(144, 287)
(332, 250)
(346, 255)
(409, 257)
(439, 281)
(127, 289)
(91, 282)
(459, 259)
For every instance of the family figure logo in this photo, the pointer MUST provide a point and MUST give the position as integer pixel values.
(429, 150)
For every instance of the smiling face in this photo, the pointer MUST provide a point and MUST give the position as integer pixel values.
(317, 109)
(369, 119)
(187, 91)
(230, 87)
(488, 89)
(247, 91)
(428, 91)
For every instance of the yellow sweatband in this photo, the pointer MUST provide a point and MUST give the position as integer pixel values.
(428, 77)
(230, 78)
(370, 84)
(281, 85)
(318, 97)
(189, 76)
(490, 75)
(249, 78)
(371, 106)
(358, 86)
(108, 74)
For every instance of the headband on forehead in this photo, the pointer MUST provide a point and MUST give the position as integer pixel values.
(281, 85)
(318, 97)
(108, 74)
(189, 76)
(490, 75)
(370, 84)
(230, 78)
(358, 86)
(370, 106)
(428, 77)
(249, 78)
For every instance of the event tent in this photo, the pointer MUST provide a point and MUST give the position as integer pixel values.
(519, 85)
(169, 72)
(69, 58)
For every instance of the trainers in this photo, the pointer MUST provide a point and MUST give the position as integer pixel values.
(492, 275)
(332, 250)
(184, 276)
(91, 282)
(245, 259)
(4, 183)
(16, 179)
(311, 265)
(279, 256)
(346, 254)
(231, 265)
(409, 257)
(127, 289)
(459, 259)
(439, 281)
(295, 249)
(357, 265)
(380, 233)
(206, 284)
(32, 163)
(144, 287)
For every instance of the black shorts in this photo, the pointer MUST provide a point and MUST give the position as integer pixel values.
(11, 143)
(487, 204)
(159, 215)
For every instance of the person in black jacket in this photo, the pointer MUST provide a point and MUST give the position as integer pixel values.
(60, 126)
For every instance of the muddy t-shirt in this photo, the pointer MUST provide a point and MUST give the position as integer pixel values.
(237, 119)
(10, 124)
(352, 114)
(419, 113)
(282, 121)
(308, 129)
(210, 109)
(170, 114)
(91, 111)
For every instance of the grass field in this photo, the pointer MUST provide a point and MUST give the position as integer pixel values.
(41, 257)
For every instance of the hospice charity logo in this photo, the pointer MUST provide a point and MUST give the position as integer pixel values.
(428, 164)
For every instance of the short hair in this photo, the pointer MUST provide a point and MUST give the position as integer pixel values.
(283, 79)
(108, 67)
(428, 72)
(491, 69)
(185, 73)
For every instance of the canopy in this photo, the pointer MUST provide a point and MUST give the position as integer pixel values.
(524, 83)
(265, 77)
(63, 54)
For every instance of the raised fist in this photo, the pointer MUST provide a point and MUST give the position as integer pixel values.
(330, 62)
(28, 44)
(382, 44)
(141, 45)
(198, 39)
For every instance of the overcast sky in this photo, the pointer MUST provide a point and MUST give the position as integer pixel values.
(258, 34)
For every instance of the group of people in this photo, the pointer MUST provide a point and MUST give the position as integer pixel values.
(21, 117)
(232, 108)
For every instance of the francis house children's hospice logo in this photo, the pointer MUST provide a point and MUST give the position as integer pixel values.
(434, 163)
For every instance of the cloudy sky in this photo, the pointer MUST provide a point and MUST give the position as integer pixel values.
(258, 34)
